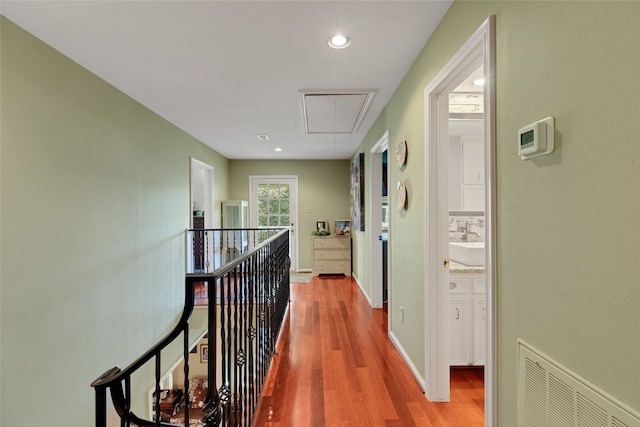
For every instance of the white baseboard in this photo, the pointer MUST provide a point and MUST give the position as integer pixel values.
(416, 374)
(364, 294)
(407, 360)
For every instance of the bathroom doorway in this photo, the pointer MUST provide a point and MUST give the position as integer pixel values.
(459, 186)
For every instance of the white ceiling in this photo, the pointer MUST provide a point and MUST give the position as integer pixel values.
(225, 71)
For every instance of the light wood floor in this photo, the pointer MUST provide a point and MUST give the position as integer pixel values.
(337, 367)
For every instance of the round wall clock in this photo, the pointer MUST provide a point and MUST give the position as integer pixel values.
(401, 196)
(401, 151)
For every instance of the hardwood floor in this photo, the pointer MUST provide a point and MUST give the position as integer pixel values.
(336, 366)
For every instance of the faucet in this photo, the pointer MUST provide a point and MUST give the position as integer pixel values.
(472, 236)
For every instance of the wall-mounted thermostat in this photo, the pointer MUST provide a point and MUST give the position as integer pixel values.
(536, 139)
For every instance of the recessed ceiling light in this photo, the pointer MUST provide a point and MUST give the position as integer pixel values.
(277, 149)
(478, 82)
(339, 41)
(262, 137)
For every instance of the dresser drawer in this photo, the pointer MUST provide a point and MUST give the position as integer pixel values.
(332, 243)
(331, 254)
(331, 267)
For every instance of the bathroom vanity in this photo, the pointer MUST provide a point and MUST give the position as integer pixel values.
(467, 315)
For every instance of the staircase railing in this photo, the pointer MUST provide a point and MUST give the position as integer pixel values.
(210, 249)
(247, 302)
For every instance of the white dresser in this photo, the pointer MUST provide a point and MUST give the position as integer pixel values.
(332, 255)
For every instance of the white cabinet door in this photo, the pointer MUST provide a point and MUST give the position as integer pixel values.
(472, 174)
(472, 161)
(479, 331)
(458, 331)
(467, 319)
(473, 197)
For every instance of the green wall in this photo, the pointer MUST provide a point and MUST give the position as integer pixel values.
(95, 200)
(94, 204)
(323, 192)
(568, 224)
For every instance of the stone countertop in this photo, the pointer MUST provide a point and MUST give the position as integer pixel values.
(455, 267)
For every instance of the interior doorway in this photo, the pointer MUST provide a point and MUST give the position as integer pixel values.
(380, 232)
(476, 56)
(201, 192)
(201, 209)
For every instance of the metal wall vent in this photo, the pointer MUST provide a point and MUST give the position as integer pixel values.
(338, 111)
(549, 395)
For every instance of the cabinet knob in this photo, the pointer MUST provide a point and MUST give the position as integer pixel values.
(457, 313)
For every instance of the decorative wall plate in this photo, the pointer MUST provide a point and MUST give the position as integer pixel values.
(401, 196)
(401, 151)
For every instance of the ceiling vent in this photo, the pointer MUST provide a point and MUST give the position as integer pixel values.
(338, 111)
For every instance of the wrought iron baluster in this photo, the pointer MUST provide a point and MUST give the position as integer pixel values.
(157, 392)
(127, 400)
(206, 252)
(236, 372)
(212, 411)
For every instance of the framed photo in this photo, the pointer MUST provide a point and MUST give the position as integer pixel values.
(385, 217)
(321, 226)
(204, 353)
(342, 227)
(357, 192)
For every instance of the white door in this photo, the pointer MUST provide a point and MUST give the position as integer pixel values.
(273, 202)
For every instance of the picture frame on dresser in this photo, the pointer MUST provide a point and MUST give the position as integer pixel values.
(342, 227)
(321, 226)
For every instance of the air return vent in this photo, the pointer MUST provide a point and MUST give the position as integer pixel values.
(549, 395)
(332, 112)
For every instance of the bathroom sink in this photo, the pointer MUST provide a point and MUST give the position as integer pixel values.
(467, 253)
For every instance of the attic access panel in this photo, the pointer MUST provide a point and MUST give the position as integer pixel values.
(335, 111)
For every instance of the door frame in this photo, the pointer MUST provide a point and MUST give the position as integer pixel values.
(293, 235)
(375, 248)
(195, 166)
(479, 47)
